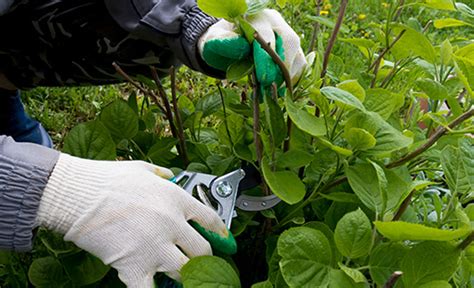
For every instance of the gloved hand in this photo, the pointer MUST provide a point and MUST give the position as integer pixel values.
(221, 45)
(126, 215)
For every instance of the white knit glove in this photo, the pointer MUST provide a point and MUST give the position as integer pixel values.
(221, 45)
(127, 216)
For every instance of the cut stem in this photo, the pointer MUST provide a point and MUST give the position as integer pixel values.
(177, 115)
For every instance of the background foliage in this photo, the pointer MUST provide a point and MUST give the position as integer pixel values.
(372, 153)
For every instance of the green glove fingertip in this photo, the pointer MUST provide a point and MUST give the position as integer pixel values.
(224, 245)
(267, 70)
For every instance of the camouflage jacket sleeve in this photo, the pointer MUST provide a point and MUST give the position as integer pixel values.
(24, 172)
(180, 21)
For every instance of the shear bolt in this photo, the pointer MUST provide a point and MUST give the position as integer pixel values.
(224, 189)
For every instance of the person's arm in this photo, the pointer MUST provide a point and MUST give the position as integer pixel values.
(179, 23)
(24, 172)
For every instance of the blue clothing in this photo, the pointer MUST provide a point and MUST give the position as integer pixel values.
(15, 123)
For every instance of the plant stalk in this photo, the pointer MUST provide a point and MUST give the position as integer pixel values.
(332, 40)
(464, 244)
(177, 115)
(432, 140)
(316, 27)
(393, 279)
(403, 207)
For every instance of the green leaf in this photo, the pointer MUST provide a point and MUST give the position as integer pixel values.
(120, 119)
(388, 138)
(440, 4)
(353, 234)
(209, 272)
(294, 158)
(341, 197)
(384, 260)
(354, 88)
(339, 279)
(399, 230)
(359, 138)
(306, 257)
(84, 269)
(429, 261)
(412, 43)
(275, 121)
(255, 6)
(285, 184)
(55, 244)
(339, 150)
(436, 284)
(458, 167)
(209, 104)
(160, 153)
(239, 69)
(223, 9)
(327, 22)
(363, 179)
(47, 272)
(433, 89)
(383, 102)
(304, 120)
(343, 97)
(365, 46)
(90, 140)
(264, 284)
(355, 274)
(449, 22)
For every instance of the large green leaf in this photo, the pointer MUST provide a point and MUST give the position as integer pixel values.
(384, 260)
(84, 269)
(458, 166)
(343, 97)
(364, 181)
(304, 120)
(412, 43)
(398, 187)
(209, 272)
(306, 257)
(359, 138)
(429, 261)
(353, 234)
(388, 138)
(439, 4)
(209, 104)
(464, 59)
(47, 272)
(275, 121)
(294, 158)
(432, 88)
(90, 140)
(120, 119)
(399, 230)
(223, 9)
(353, 87)
(449, 22)
(383, 101)
(285, 184)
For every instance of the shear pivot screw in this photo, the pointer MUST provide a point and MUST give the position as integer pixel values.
(224, 189)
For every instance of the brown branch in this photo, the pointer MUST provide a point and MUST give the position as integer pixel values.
(464, 244)
(378, 61)
(385, 51)
(277, 60)
(316, 27)
(138, 86)
(177, 115)
(403, 207)
(393, 279)
(256, 119)
(332, 40)
(432, 140)
(168, 112)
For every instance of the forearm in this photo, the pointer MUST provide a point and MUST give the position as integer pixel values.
(24, 172)
(178, 23)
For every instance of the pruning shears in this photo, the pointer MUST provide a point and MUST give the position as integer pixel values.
(224, 193)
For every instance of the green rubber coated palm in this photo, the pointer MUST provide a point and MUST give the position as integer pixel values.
(219, 244)
(221, 53)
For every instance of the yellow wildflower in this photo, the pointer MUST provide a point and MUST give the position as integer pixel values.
(362, 16)
(385, 5)
(327, 6)
(324, 12)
